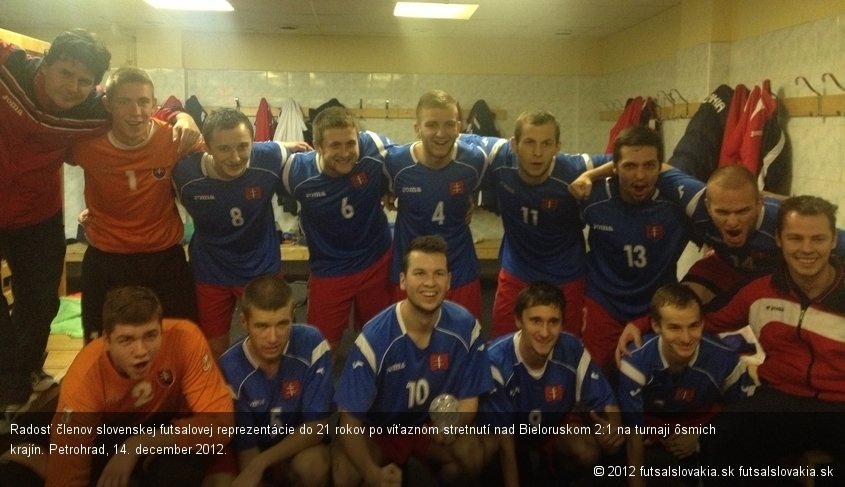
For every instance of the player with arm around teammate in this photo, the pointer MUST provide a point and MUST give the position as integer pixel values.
(543, 239)
(433, 180)
(281, 376)
(679, 377)
(636, 236)
(52, 102)
(339, 189)
(133, 227)
(415, 350)
(542, 376)
(228, 191)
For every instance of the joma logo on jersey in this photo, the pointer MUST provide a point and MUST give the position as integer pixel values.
(395, 367)
(204, 197)
(13, 105)
(159, 173)
(252, 192)
(315, 194)
(290, 388)
(438, 361)
(359, 179)
(456, 187)
(654, 232)
(549, 203)
(553, 393)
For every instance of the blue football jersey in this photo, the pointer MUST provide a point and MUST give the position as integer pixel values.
(301, 390)
(388, 380)
(633, 249)
(343, 220)
(435, 202)
(235, 236)
(647, 386)
(760, 253)
(544, 238)
(542, 397)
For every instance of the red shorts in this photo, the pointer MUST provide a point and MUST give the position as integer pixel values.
(509, 287)
(601, 332)
(715, 274)
(331, 299)
(468, 296)
(215, 306)
(399, 448)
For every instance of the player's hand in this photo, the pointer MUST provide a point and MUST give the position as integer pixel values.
(186, 132)
(609, 437)
(82, 219)
(118, 469)
(581, 188)
(387, 476)
(629, 334)
(297, 146)
(681, 446)
(388, 200)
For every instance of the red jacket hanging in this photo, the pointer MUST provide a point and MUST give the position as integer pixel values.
(264, 122)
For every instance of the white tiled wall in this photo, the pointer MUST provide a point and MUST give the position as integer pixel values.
(804, 50)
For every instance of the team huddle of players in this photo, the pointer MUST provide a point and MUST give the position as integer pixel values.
(558, 316)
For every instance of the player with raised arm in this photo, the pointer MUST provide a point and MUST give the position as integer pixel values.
(636, 236)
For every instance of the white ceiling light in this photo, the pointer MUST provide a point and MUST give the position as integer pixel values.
(215, 5)
(435, 10)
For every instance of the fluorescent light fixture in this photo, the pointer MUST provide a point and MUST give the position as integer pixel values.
(214, 5)
(435, 10)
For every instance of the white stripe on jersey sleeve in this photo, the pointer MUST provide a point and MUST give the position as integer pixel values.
(497, 375)
(320, 350)
(367, 351)
(580, 373)
(632, 372)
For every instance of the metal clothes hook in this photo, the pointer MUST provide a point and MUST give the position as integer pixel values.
(835, 81)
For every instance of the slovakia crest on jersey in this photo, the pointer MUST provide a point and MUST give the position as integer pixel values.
(549, 203)
(438, 361)
(554, 393)
(359, 179)
(684, 394)
(290, 389)
(159, 173)
(252, 193)
(456, 188)
(655, 231)
(165, 377)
